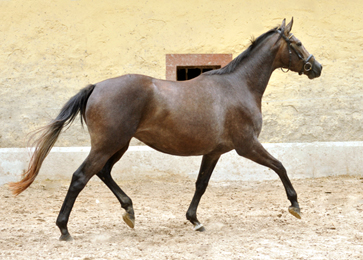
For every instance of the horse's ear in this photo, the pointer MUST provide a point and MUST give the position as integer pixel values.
(289, 26)
(282, 26)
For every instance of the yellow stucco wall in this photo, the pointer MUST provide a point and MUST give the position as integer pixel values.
(51, 49)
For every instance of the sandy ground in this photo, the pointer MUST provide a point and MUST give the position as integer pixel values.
(244, 220)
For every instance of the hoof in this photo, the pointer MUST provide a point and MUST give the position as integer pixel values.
(67, 238)
(129, 220)
(199, 227)
(295, 212)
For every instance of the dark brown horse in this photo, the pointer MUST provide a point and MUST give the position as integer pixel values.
(209, 115)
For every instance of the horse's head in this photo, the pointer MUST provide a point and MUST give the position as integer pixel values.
(294, 56)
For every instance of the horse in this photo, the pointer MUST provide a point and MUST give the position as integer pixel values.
(214, 113)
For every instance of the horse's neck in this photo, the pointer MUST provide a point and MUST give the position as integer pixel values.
(255, 72)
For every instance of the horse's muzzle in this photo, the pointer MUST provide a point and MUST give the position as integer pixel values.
(315, 72)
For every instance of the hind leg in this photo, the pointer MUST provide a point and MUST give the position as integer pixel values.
(205, 172)
(91, 166)
(125, 201)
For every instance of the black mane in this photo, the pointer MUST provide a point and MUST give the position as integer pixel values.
(230, 67)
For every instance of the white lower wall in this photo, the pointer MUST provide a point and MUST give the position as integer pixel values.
(302, 160)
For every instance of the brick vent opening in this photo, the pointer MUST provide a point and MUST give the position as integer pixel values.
(188, 66)
(189, 72)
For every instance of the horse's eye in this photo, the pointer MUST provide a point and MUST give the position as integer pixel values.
(299, 44)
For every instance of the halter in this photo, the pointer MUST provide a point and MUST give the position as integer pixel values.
(307, 66)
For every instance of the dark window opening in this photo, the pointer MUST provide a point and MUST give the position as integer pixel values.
(187, 66)
(189, 72)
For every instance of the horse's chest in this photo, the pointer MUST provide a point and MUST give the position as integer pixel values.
(245, 120)
(257, 124)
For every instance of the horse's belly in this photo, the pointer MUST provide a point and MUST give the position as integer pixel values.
(181, 143)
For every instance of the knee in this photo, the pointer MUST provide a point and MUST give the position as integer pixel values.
(279, 166)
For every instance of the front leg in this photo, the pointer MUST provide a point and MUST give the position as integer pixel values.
(258, 154)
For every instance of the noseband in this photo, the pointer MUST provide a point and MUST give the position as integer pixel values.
(307, 66)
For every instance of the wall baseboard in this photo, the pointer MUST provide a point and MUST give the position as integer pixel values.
(301, 160)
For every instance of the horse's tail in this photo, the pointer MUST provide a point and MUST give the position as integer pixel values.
(49, 135)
